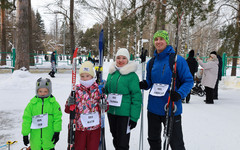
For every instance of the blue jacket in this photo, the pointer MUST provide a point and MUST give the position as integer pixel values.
(161, 73)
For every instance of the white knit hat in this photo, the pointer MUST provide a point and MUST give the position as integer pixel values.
(214, 57)
(87, 67)
(123, 52)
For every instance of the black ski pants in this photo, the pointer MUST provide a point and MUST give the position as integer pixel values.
(209, 94)
(155, 128)
(215, 90)
(118, 127)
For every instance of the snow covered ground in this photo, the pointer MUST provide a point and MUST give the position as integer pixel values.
(205, 127)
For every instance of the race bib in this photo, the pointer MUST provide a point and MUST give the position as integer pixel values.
(159, 89)
(115, 99)
(89, 120)
(39, 121)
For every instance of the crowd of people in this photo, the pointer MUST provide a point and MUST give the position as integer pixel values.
(42, 118)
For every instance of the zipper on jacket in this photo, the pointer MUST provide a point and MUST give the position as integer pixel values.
(117, 82)
(163, 69)
(42, 113)
(114, 112)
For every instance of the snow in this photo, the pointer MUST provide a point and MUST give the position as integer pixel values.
(205, 127)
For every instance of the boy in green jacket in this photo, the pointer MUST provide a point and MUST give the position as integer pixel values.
(42, 118)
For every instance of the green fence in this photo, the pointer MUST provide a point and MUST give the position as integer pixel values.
(226, 61)
(40, 59)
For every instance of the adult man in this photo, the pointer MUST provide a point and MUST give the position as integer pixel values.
(159, 80)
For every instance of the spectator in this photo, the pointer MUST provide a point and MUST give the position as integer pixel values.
(209, 78)
(53, 64)
(193, 66)
(215, 91)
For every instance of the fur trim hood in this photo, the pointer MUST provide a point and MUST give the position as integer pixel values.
(128, 68)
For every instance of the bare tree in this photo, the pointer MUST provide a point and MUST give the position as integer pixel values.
(72, 27)
(22, 47)
(235, 6)
(5, 5)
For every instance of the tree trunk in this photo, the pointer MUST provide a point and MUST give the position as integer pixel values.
(22, 24)
(156, 19)
(3, 36)
(114, 28)
(72, 27)
(109, 36)
(31, 52)
(236, 44)
(163, 15)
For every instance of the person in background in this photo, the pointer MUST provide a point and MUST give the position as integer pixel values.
(158, 80)
(209, 77)
(215, 90)
(193, 66)
(124, 97)
(42, 118)
(53, 64)
(88, 120)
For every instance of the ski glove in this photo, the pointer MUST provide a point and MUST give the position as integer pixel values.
(175, 96)
(103, 105)
(132, 124)
(55, 137)
(101, 88)
(71, 100)
(143, 84)
(25, 140)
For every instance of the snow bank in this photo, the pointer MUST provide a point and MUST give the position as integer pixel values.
(231, 82)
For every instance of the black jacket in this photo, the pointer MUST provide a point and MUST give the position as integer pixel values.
(193, 65)
(219, 67)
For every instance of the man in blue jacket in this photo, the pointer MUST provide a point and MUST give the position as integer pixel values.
(158, 80)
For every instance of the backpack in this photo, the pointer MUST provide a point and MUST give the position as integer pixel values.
(171, 62)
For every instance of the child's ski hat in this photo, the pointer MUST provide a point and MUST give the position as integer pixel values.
(44, 83)
(87, 67)
(123, 52)
(163, 34)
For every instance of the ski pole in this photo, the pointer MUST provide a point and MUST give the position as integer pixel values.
(143, 60)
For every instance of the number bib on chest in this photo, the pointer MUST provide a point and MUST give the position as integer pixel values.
(39, 121)
(159, 89)
(89, 120)
(114, 99)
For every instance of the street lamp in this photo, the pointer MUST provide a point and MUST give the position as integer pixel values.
(142, 41)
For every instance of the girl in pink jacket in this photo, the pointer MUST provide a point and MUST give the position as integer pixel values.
(88, 120)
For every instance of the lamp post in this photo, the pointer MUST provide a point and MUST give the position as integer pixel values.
(140, 46)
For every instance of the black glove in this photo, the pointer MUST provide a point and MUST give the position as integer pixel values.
(175, 96)
(25, 140)
(55, 137)
(143, 84)
(103, 105)
(132, 124)
(71, 100)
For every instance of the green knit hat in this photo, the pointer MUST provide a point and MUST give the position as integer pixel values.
(163, 34)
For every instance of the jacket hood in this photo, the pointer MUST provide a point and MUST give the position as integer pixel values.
(128, 68)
